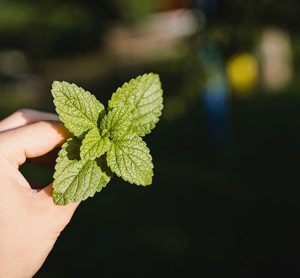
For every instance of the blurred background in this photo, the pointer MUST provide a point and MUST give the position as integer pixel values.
(225, 197)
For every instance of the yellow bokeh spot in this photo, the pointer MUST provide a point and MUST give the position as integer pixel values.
(242, 71)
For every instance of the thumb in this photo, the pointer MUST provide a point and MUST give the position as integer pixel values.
(32, 140)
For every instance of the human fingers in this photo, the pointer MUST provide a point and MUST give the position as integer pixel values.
(47, 159)
(24, 117)
(32, 140)
(45, 195)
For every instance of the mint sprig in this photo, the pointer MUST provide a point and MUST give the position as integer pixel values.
(105, 142)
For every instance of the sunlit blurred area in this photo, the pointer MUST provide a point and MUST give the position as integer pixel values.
(226, 188)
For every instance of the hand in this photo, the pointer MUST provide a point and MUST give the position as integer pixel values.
(29, 220)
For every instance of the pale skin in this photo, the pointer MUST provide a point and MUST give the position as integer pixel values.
(30, 222)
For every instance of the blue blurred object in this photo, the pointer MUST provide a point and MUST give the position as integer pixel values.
(215, 95)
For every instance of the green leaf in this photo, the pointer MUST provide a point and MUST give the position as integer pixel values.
(94, 145)
(105, 143)
(144, 96)
(76, 180)
(77, 108)
(130, 159)
(117, 122)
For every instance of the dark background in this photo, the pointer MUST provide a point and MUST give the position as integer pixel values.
(225, 196)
